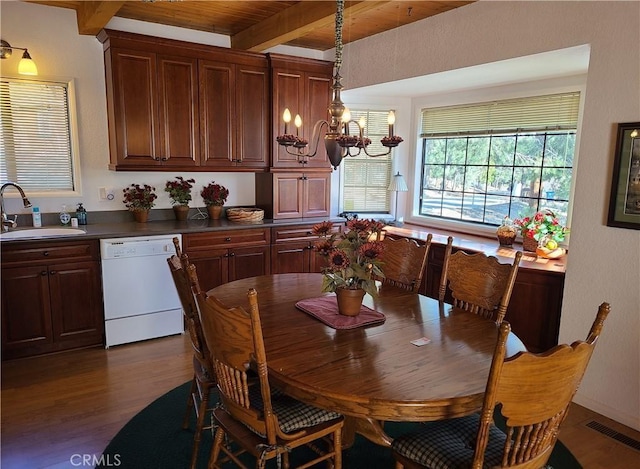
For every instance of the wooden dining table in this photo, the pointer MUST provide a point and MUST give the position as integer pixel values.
(373, 374)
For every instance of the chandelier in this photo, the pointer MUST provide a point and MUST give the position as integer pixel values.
(338, 142)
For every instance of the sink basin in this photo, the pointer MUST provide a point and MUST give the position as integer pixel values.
(40, 233)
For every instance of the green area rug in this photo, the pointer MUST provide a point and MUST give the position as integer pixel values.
(154, 439)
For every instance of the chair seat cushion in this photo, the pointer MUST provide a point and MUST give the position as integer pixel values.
(449, 444)
(292, 414)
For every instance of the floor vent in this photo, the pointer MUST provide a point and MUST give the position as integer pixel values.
(611, 433)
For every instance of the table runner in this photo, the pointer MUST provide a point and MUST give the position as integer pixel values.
(325, 309)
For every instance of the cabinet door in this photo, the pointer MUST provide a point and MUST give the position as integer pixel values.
(252, 117)
(318, 93)
(217, 98)
(287, 195)
(316, 194)
(26, 312)
(212, 267)
(287, 92)
(76, 304)
(134, 130)
(248, 262)
(291, 257)
(178, 111)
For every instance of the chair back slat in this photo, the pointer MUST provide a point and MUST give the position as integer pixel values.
(404, 262)
(533, 393)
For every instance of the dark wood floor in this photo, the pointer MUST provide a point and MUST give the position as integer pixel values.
(57, 407)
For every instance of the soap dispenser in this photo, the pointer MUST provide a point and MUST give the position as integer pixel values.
(81, 214)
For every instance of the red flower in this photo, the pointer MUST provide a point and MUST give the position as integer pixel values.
(371, 250)
(338, 259)
(322, 229)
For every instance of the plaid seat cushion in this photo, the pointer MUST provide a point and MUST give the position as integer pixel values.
(292, 414)
(449, 444)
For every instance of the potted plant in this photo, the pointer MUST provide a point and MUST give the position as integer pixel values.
(542, 229)
(180, 195)
(354, 260)
(214, 196)
(139, 199)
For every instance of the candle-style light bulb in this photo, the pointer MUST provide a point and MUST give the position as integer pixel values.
(362, 122)
(298, 122)
(346, 115)
(391, 119)
(286, 117)
(634, 134)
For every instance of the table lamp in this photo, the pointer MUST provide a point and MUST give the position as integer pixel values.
(397, 184)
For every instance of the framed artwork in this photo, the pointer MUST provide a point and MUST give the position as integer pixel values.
(624, 205)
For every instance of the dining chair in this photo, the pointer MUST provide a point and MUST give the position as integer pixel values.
(404, 262)
(260, 420)
(531, 392)
(203, 382)
(478, 283)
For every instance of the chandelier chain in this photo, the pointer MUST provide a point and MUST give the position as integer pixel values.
(339, 23)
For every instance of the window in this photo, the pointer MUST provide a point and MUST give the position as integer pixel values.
(485, 161)
(37, 136)
(366, 178)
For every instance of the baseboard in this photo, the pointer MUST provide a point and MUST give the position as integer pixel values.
(609, 412)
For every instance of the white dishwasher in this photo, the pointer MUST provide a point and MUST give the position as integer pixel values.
(140, 298)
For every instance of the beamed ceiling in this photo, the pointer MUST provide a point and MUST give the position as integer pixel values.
(259, 25)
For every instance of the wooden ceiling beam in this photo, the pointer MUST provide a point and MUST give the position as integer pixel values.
(94, 16)
(294, 22)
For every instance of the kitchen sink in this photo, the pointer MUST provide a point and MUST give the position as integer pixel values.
(40, 233)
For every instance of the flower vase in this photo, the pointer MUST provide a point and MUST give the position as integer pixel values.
(529, 244)
(181, 212)
(141, 216)
(349, 301)
(214, 211)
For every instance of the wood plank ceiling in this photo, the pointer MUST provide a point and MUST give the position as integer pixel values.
(258, 25)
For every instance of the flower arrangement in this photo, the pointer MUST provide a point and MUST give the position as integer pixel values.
(214, 194)
(139, 197)
(543, 227)
(354, 256)
(179, 190)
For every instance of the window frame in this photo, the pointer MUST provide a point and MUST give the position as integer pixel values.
(72, 116)
(575, 83)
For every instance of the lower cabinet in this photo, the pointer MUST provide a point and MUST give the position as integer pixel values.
(224, 256)
(51, 298)
(292, 250)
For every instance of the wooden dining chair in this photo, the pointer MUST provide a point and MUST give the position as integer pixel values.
(404, 262)
(203, 382)
(261, 422)
(478, 283)
(531, 392)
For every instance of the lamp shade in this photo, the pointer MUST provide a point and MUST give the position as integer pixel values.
(398, 184)
(27, 66)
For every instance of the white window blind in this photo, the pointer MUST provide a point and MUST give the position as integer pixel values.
(365, 178)
(550, 112)
(35, 138)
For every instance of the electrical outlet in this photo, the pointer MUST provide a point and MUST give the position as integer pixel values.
(103, 193)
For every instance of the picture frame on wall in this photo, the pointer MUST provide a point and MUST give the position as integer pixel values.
(624, 204)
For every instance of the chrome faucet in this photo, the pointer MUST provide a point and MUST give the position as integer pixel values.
(6, 222)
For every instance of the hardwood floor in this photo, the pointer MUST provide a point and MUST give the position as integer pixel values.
(59, 407)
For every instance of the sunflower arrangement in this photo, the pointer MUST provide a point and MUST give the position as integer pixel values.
(354, 256)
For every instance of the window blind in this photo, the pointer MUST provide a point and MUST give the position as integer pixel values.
(35, 136)
(549, 112)
(365, 178)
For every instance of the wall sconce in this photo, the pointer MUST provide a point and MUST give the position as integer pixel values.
(26, 66)
(398, 184)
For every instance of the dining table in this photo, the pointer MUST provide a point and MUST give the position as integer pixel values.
(423, 360)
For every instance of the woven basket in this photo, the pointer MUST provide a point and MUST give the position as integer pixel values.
(529, 244)
(245, 214)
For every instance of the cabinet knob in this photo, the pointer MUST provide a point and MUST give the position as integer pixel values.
(45, 254)
(232, 254)
(43, 273)
(164, 158)
(227, 239)
(53, 272)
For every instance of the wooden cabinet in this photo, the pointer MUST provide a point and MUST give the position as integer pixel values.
(292, 250)
(224, 256)
(304, 87)
(51, 297)
(175, 105)
(294, 195)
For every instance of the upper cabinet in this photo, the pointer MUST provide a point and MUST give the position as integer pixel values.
(177, 105)
(304, 87)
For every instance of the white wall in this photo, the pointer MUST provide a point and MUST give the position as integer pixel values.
(604, 264)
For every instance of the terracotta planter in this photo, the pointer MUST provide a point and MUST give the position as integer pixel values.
(141, 216)
(215, 211)
(349, 301)
(181, 212)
